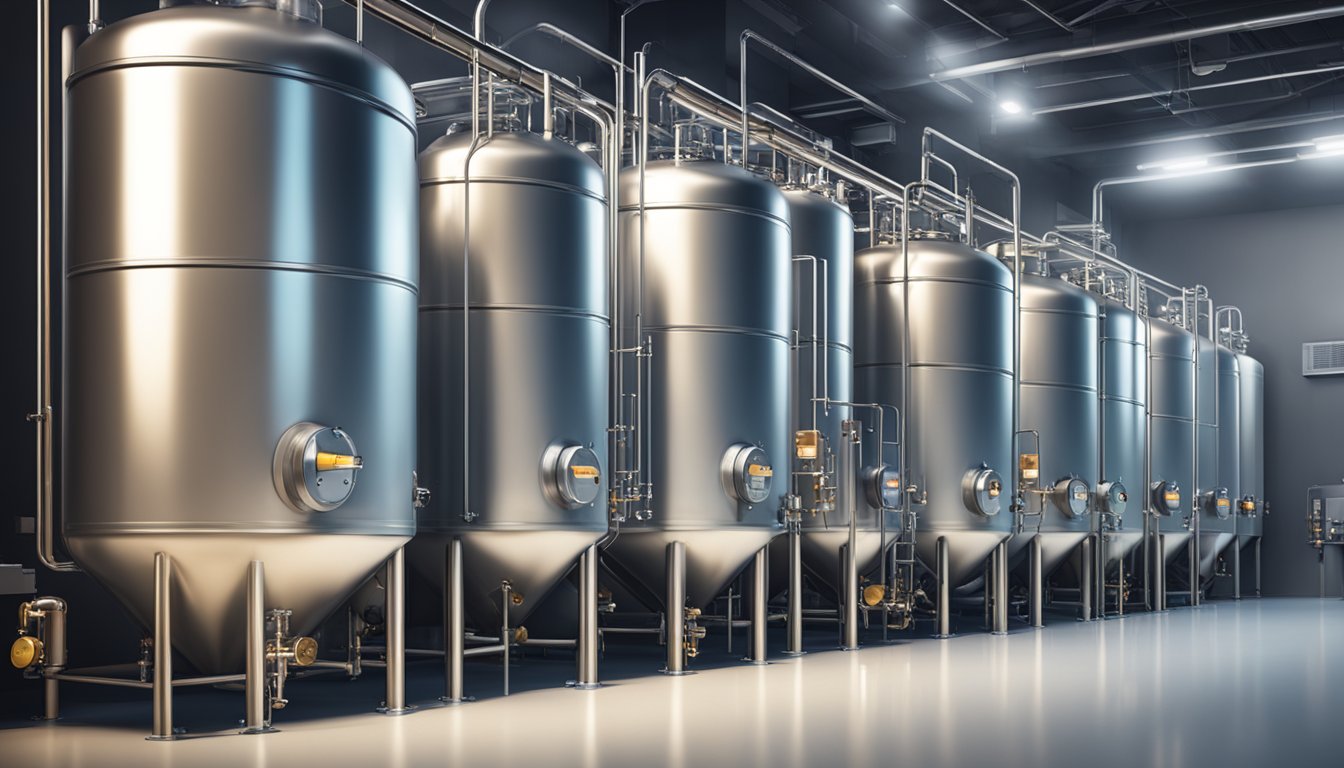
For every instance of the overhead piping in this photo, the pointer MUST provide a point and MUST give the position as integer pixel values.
(1192, 89)
(1120, 46)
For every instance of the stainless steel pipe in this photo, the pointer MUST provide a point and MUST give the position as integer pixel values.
(756, 652)
(795, 616)
(254, 688)
(1037, 584)
(454, 624)
(1000, 585)
(1085, 591)
(944, 591)
(394, 612)
(676, 608)
(1160, 573)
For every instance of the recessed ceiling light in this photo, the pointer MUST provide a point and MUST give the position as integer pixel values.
(1011, 107)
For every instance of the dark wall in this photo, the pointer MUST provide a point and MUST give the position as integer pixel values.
(1285, 270)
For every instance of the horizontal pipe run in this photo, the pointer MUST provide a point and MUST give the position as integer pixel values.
(122, 682)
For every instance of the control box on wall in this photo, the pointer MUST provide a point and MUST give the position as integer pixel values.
(1323, 358)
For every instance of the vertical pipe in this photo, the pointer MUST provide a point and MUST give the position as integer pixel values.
(944, 591)
(849, 600)
(1193, 549)
(795, 647)
(454, 624)
(1001, 588)
(506, 597)
(1257, 566)
(255, 683)
(548, 108)
(359, 22)
(54, 660)
(586, 653)
(1119, 589)
(1196, 492)
(1037, 584)
(759, 581)
(163, 648)
(394, 609)
(1086, 588)
(676, 608)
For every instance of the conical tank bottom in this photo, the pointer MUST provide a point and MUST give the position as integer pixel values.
(713, 558)
(309, 574)
(967, 552)
(1174, 544)
(1056, 546)
(1211, 545)
(533, 562)
(823, 559)
(1118, 546)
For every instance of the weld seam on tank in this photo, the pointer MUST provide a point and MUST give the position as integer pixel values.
(316, 81)
(513, 181)
(99, 267)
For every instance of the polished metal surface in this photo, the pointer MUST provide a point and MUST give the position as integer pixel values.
(1250, 525)
(1058, 390)
(1218, 528)
(228, 277)
(961, 384)
(716, 288)
(1171, 366)
(528, 215)
(1124, 423)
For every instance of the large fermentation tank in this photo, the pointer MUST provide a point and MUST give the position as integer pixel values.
(959, 416)
(1171, 365)
(1251, 440)
(716, 297)
(1124, 428)
(240, 316)
(1057, 387)
(1220, 450)
(823, 365)
(525, 492)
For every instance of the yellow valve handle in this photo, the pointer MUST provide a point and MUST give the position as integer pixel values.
(327, 462)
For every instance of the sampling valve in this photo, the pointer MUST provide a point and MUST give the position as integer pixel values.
(40, 646)
(281, 651)
(692, 632)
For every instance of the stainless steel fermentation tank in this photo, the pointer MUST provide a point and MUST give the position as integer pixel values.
(1251, 450)
(716, 291)
(522, 219)
(959, 417)
(1172, 426)
(1124, 428)
(1057, 390)
(1220, 452)
(240, 316)
(823, 364)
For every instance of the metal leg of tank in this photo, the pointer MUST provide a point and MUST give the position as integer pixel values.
(756, 653)
(1193, 551)
(454, 625)
(257, 718)
(1236, 569)
(988, 591)
(676, 608)
(795, 647)
(1037, 584)
(1257, 566)
(1098, 566)
(163, 653)
(586, 648)
(1000, 561)
(1085, 608)
(394, 609)
(1119, 588)
(849, 599)
(944, 592)
(1159, 573)
(505, 633)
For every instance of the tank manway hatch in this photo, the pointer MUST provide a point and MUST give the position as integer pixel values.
(1323, 358)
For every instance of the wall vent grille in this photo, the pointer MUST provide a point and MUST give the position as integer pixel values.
(1323, 358)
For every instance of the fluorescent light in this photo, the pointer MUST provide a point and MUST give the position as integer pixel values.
(1179, 164)
(1328, 143)
(1011, 107)
(1338, 151)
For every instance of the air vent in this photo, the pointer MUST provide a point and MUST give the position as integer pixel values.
(1323, 358)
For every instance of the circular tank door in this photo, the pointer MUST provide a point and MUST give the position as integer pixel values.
(315, 467)
(882, 485)
(1166, 497)
(1113, 498)
(1071, 496)
(747, 473)
(571, 475)
(982, 490)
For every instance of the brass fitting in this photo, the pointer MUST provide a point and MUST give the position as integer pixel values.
(26, 652)
(693, 634)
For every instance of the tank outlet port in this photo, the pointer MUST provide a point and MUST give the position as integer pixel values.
(315, 467)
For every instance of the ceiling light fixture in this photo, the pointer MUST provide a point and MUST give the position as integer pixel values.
(1011, 107)
(1179, 164)
(1323, 154)
(1329, 143)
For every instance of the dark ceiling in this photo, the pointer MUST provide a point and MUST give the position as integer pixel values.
(1104, 115)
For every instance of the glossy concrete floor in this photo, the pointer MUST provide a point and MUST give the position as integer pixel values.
(1255, 683)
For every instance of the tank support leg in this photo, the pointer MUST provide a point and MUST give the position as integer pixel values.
(1194, 570)
(1257, 566)
(1119, 587)
(1236, 569)
(454, 624)
(849, 599)
(1160, 572)
(163, 652)
(1085, 612)
(944, 591)
(1000, 561)
(394, 611)
(676, 608)
(760, 565)
(795, 647)
(849, 505)
(586, 655)
(1037, 584)
(257, 718)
